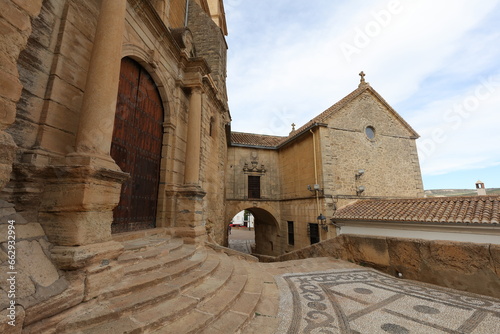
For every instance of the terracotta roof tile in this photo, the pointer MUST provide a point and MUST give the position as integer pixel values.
(253, 139)
(469, 210)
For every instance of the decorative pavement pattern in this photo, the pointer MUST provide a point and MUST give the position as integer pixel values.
(366, 301)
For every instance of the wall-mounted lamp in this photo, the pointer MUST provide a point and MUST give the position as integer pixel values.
(360, 173)
(322, 222)
(360, 190)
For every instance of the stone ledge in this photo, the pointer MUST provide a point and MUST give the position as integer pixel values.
(71, 258)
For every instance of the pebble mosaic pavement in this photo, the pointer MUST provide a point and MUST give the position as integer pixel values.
(366, 301)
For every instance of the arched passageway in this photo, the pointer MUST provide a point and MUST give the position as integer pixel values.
(242, 233)
(267, 232)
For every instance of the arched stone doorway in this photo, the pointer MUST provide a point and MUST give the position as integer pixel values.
(136, 147)
(267, 232)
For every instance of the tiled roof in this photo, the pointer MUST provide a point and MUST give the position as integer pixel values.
(252, 139)
(470, 210)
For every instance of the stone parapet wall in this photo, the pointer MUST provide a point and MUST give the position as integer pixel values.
(463, 266)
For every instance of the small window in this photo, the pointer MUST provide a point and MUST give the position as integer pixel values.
(291, 235)
(253, 186)
(211, 127)
(370, 132)
(313, 231)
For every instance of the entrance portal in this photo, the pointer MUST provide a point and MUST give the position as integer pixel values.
(267, 237)
(136, 147)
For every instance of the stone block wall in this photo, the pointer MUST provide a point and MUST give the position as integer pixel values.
(177, 13)
(213, 166)
(15, 26)
(210, 44)
(463, 266)
(296, 162)
(389, 160)
(237, 180)
(302, 212)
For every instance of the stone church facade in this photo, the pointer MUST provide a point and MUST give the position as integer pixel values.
(359, 148)
(114, 118)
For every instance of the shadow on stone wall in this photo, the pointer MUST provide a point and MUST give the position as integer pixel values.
(463, 266)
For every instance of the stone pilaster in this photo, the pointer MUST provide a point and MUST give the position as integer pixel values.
(99, 101)
(77, 208)
(192, 167)
(190, 222)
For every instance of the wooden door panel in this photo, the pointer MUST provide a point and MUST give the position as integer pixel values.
(136, 147)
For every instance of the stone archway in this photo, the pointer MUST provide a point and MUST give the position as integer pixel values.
(268, 240)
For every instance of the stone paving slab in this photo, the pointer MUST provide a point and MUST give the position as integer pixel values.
(244, 246)
(366, 301)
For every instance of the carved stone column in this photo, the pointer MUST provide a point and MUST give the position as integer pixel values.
(95, 129)
(77, 206)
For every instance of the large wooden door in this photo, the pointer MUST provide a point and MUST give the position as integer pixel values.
(136, 147)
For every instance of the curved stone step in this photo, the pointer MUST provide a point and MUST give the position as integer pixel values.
(210, 310)
(243, 309)
(265, 315)
(138, 245)
(142, 267)
(134, 293)
(212, 276)
(193, 271)
(182, 307)
(133, 256)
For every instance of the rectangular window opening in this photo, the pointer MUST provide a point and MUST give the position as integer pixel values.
(291, 235)
(253, 186)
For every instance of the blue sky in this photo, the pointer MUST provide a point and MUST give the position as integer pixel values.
(435, 62)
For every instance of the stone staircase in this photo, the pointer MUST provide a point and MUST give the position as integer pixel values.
(171, 287)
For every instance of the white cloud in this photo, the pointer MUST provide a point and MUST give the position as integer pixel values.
(286, 65)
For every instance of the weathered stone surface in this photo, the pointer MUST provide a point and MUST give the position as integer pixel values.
(32, 7)
(71, 258)
(77, 228)
(336, 248)
(50, 301)
(495, 256)
(369, 250)
(3, 256)
(24, 231)
(100, 279)
(7, 152)
(463, 257)
(12, 320)
(31, 261)
(24, 285)
(6, 212)
(17, 218)
(406, 256)
(18, 18)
